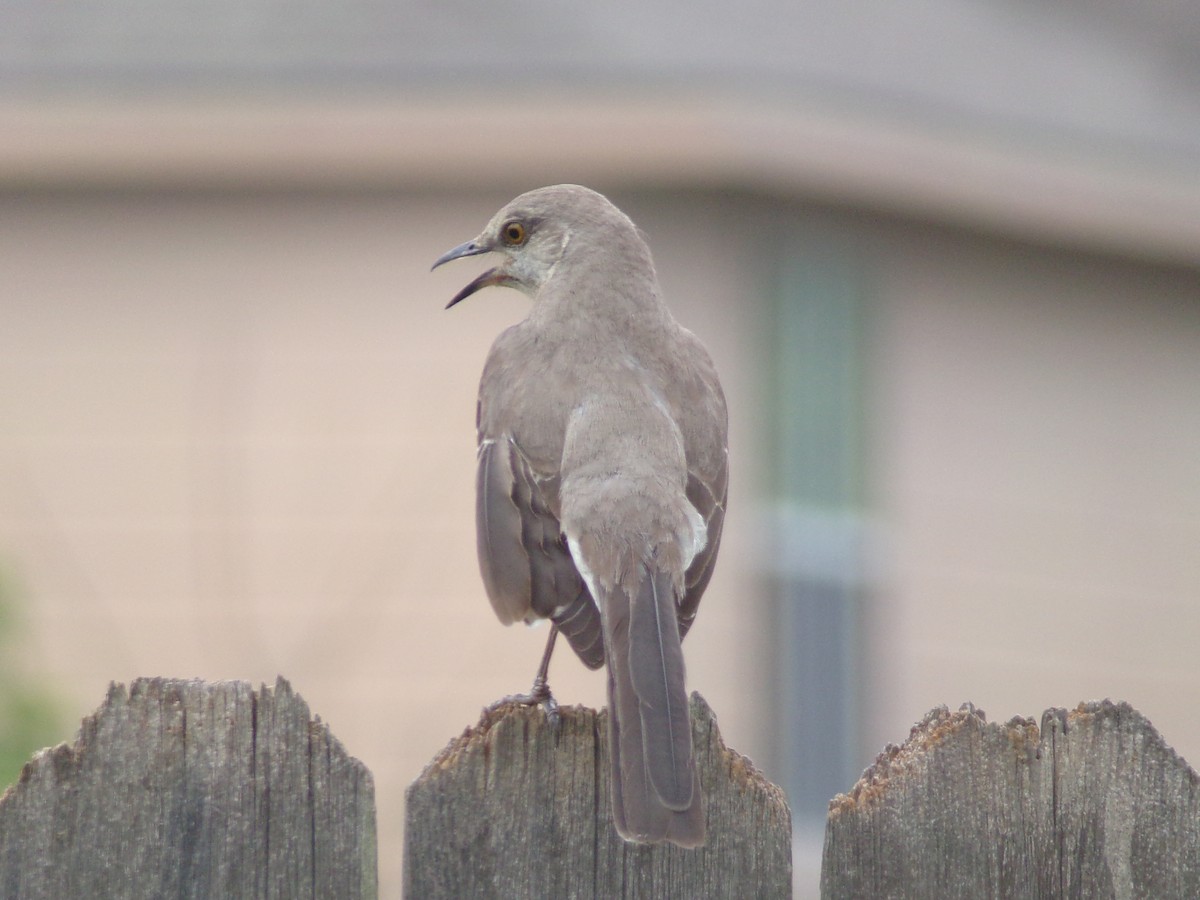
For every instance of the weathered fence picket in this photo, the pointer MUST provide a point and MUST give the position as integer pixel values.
(1093, 805)
(518, 808)
(192, 789)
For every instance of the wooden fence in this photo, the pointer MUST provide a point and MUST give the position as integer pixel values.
(186, 789)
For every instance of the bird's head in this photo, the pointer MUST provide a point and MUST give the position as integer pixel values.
(532, 234)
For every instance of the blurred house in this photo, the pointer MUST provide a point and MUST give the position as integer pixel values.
(947, 259)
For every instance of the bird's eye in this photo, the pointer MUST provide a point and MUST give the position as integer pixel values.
(514, 234)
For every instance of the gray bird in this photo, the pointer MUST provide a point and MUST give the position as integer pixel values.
(601, 481)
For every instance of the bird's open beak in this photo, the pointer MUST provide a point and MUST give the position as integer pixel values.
(490, 277)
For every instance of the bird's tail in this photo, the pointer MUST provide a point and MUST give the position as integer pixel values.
(655, 786)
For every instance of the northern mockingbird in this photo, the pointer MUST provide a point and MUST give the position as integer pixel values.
(601, 480)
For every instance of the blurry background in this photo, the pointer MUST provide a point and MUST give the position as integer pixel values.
(946, 257)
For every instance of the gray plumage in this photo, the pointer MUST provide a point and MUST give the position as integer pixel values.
(602, 479)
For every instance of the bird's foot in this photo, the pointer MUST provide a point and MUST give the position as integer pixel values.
(539, 695)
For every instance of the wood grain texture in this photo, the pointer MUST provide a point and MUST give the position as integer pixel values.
(513, 808)
(192, 789)
(1094, 804)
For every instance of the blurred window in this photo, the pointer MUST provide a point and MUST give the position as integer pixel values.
(816, 520)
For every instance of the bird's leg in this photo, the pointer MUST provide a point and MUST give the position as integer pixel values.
(539, 693)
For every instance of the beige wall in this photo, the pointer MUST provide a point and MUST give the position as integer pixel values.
(238, 440)
(1038, 469)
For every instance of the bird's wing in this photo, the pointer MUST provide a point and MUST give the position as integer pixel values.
(527, 569)
(708, 497)
(699, 409)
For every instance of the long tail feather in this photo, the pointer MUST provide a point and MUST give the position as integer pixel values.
(656, 670)
(655, 787)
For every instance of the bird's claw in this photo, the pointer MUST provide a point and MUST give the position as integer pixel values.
(539, 695)
(550, 705)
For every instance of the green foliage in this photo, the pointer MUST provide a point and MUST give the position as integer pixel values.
(30, 717)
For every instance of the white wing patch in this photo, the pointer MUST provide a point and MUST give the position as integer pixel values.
(699, 537)
(584, 572)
